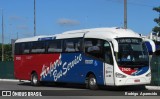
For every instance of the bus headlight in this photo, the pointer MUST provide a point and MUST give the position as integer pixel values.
(148, 75)
(119, 75)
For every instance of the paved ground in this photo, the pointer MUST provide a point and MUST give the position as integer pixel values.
(153, 87)
(72, 86)
(71, 89)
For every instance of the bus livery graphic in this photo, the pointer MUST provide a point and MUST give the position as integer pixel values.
(135, 72)
(59, 68)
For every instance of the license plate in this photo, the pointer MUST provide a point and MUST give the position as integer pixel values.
(137, 80)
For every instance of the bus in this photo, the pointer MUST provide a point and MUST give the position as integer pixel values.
(97, 56)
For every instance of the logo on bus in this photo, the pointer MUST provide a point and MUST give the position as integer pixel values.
(88, 61)
(95, 63)
(126, 69)
(134, 71)
(59, 68)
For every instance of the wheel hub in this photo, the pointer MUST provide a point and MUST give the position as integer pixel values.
(35, 80)
(92, 81)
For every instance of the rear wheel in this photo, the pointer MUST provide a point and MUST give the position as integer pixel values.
(92, 82)
(34, 79)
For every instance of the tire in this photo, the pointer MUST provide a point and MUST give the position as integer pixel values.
(34, 80)
(92, 82)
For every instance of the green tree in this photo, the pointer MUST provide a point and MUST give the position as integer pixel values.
(156, 29)
(7, 52)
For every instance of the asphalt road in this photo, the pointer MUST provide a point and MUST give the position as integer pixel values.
(69, 90)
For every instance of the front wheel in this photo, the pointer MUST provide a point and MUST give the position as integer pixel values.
(34, 79)
(92, 83)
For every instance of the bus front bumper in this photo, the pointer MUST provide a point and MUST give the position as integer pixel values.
(132, 81)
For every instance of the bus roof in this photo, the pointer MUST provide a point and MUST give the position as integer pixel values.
(101, 33)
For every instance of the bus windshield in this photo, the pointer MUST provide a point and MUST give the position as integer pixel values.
(132, 52)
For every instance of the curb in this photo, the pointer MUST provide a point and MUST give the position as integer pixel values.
(13, 80)
(153, 87)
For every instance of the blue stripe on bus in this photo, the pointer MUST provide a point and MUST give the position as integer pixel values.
(140, 71)
(74, 69)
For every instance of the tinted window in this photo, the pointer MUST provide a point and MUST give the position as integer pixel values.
(100, 49)
(72, 45)
(25, 48)
(107, 53)
(18, 49)
(93, 47)
(37, 47)
(132, 53)
(54, 46)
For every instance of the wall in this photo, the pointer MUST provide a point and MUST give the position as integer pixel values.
(7, 70)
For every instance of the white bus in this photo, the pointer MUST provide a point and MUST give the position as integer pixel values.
(98, 56)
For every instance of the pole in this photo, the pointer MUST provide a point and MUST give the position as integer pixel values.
(125, 14)
(34, 17)
(2, 37)
(17, 35)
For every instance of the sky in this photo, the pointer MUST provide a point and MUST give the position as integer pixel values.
(57, 16)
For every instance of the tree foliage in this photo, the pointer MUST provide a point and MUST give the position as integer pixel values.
(7, 52)
(156, 29)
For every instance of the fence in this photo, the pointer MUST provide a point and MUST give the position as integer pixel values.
(155, 69)
(7, 70)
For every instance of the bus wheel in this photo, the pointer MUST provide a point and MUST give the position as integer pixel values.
(34, 79)
(92, 83)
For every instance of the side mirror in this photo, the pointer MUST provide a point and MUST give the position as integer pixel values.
(150, 45)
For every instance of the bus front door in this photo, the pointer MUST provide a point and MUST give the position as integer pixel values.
(108, 73)
(108, 64)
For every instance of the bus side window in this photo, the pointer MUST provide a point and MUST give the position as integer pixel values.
(72, 45)
(93, 47)
(38, 47)
(78, 46)
(108, 53)
(18, 49)
(54, 46)
(26, 48)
